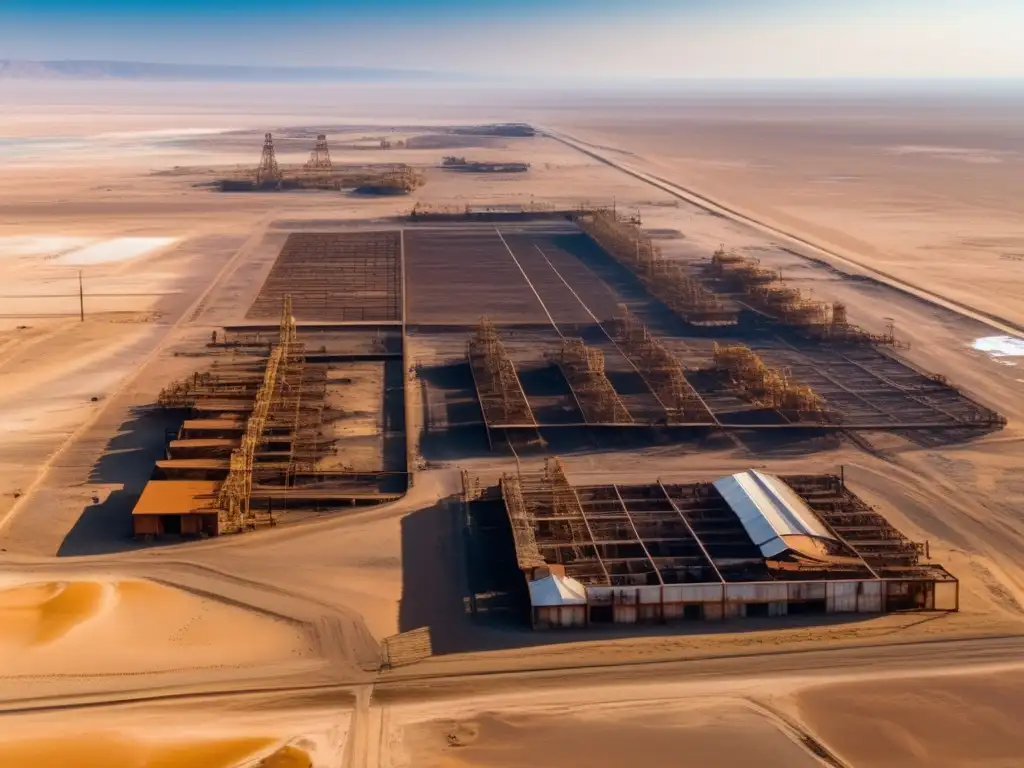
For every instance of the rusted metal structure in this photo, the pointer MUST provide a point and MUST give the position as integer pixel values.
(257, 441)
(666, 552)
(268, 170)
(742, 270)
(319, 172)
(454, 163)
(765, 385)
(869, 386)
(498, 388)
(583, 368)
(364, 283)
(320, 156)
(277, 390)
(662, 372)
(626, 242)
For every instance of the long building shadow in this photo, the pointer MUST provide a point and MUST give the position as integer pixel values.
(106, 525)
(452, 424)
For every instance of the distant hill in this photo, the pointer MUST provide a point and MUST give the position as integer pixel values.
(11, 69)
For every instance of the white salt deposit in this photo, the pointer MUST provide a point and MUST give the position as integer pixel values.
(118, 249)
(31, 245)
(1000, 346)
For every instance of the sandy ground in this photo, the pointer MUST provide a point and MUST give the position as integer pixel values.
(942, 722)
(129, 626)
(920, 190)
(774, 715)
(719, 734)
(157, 736)
(88, 617)
(355, 397)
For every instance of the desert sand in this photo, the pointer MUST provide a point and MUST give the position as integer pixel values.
(945, 722)
(101, 626)
(917, 187)
(160, 736)
(229, 652)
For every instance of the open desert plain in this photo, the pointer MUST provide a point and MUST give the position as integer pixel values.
(284, 470)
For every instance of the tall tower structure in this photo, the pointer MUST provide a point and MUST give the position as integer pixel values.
(268, 170)
(320, 157)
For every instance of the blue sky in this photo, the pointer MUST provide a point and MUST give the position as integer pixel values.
(539, 38)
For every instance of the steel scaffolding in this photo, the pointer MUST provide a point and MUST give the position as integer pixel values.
(662, 372)
(685, 295)
(502, 399)
(765, 385)
(583, 368)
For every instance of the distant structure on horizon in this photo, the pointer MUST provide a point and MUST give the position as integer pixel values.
(320, 157)
(268, 170)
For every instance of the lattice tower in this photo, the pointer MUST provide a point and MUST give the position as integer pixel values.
(320, 157)
(268, 170)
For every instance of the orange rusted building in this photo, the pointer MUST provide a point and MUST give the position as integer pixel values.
(177, 507)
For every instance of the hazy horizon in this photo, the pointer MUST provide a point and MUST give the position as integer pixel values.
(567, 40)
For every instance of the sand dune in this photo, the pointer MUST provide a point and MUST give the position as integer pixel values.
(113, 751)
(163, 735)
(41, 614)
(117, 750)
(108, 626)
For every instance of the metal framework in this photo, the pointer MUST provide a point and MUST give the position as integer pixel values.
(662, 372)
(257, 427)
(583, 368)
(668, 281)
(501, 395)
(320, 156)
(764, 290)
(767, 386)
(268, 169)
(661, 534)
(336, 276)
(865, 385)
(234, 498)
(886, 551)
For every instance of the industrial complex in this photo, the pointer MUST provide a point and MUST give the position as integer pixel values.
(747, 544)
(259, 434)
(559, 329)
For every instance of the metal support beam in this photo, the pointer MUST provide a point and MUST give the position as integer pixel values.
(637, 534)
(693, 533)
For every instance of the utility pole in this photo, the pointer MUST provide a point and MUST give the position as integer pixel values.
(81, 298)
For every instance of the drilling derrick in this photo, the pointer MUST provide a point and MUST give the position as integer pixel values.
(320, 157)
(268, 170)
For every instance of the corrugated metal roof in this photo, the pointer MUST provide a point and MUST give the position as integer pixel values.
(770, 510)
(557, 590)
(177, 497)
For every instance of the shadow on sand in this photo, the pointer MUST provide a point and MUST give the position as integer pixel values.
(452, 425)
(128, 459)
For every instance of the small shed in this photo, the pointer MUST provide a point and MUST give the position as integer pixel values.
(176, 507)
(558, 601)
